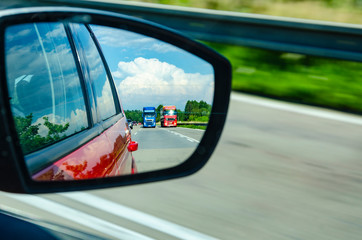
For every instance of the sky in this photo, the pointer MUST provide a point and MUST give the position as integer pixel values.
(149, 72)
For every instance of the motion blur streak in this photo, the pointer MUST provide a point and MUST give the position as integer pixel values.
(84, 219)
(296, 108)
(137, 216)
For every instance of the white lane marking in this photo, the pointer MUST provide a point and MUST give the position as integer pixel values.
(81, 218)
(136, 216)
(137, 132)
(183, 136)
(291, 107)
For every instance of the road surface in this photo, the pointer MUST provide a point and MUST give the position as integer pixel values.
(280, 171)
(160, 148)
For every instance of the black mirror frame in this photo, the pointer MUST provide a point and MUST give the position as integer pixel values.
(14, 176)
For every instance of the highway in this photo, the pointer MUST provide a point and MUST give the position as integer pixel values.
(163, 147)
(280, 171)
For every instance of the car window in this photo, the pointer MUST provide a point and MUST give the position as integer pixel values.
(44, 87)
(97, 73)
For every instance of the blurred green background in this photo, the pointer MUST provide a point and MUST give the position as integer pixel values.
(349, 11)
(292, 77)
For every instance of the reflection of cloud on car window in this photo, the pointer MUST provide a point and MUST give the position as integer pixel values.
(151, 81)
(23, 52)
(106, 100)
(57, 30)
(63, 53)
(94, 62)
(44, 86)
(24, 59)
(21, 34)
(76, 122)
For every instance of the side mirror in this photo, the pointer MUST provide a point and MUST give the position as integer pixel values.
(70, 79)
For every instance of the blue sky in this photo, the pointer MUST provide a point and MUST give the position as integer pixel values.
(148, 72)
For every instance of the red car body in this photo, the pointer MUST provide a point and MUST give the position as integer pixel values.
(104, 156)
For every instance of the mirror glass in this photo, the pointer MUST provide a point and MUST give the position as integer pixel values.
(92, 101)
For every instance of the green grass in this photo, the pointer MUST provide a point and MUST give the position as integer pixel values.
(310, 80)
(192, 126)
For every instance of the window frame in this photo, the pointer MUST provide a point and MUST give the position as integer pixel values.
(46, 156)
(84, 68)
(108, 72)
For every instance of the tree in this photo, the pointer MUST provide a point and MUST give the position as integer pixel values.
(134, 115)
(158, 111)
(55, 130)
(180, 115)
(197, 111)
(189, 109)
(30, 139)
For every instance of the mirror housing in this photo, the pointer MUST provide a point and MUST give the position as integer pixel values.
(14, 174)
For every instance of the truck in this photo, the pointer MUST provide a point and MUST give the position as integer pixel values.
(168, 116)
(149, 117)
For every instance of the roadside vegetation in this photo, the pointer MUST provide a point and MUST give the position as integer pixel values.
(292, 77)
(134, 115)
(348, 11)
(194, 112)
(193, 126)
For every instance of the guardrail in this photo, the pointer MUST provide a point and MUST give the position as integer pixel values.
(326, 39)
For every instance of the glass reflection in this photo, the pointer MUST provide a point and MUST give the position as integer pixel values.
(60, 90)
(44, 87)
(100, 84)
(163, 89)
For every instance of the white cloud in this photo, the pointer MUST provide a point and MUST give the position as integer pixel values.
(106, 101)
(27, 57)
(10, 35)
(77, 120)
(56, 30)
(149, 82)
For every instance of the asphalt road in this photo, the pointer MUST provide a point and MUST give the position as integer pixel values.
(160, 148)
(280, 171)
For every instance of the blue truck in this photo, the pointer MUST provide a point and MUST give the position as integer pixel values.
(149, 117)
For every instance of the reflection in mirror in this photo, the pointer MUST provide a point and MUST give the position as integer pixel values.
(165, 91)
(44, 87)
(64, 100)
